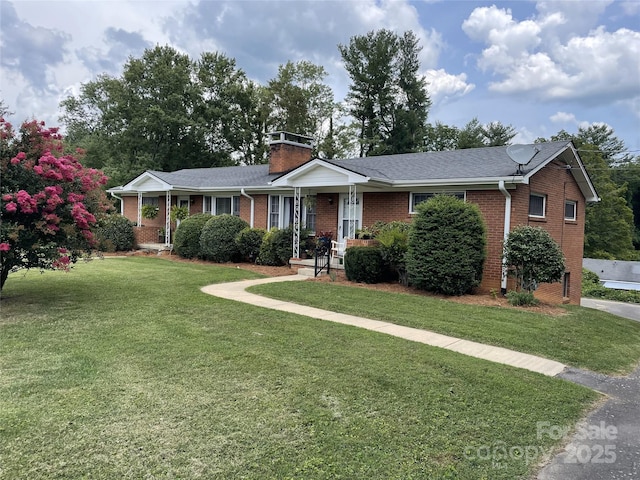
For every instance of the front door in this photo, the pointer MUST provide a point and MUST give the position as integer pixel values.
(345, 220)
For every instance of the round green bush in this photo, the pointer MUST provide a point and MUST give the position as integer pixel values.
(364, 264)
(115, 234)
(446, 246)
(218, 238)
(277, 247)
(186, 240)
(249, 241)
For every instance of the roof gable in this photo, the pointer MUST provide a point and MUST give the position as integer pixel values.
(319, 173)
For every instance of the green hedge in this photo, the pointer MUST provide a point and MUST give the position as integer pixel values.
(218, 238)
(115, 234)
(364, 264)
(186, 240)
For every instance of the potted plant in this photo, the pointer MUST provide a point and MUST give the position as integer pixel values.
(149, 211)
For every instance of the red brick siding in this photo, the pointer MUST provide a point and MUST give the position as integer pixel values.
(284, 157)
(558, 185)
(385, 207)
(327, 213)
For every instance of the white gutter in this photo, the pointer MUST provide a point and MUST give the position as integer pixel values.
(507, 226)
(245, 194)
(121, 202)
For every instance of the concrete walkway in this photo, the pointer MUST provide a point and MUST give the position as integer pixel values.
(236, 291)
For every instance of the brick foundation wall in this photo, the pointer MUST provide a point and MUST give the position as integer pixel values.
(146, 235)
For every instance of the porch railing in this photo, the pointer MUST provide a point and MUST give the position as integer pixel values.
(322, 260)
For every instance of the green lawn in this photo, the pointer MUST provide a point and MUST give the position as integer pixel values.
(124, 369)
(584, 338)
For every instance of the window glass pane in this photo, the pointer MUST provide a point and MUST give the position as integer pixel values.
(223, 205)
(418, 198)
(310, 212)
(536, 205)
(236, 206)
(150, 201)
(570, 210)
(207, 204)
(274, 210)
(288, 212)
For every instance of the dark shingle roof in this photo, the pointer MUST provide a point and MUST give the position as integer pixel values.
(245, 176)
(476, 163)
(470, 164)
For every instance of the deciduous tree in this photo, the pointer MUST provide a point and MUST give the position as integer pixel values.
(49, 201)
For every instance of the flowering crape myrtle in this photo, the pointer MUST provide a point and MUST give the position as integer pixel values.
(49, 201)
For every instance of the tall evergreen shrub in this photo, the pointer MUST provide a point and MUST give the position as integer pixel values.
(446, 247)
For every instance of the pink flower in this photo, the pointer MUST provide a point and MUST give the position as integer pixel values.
(62, 250)
(7, 197)
(5, 247)
(11, 207)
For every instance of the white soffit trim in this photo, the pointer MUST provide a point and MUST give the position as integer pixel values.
(318, 173)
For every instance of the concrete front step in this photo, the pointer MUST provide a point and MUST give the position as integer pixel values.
(309, 272)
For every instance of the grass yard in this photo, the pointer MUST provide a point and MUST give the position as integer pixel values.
(124, 369)
(584, 338)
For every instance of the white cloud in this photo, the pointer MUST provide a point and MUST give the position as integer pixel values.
(528, 57)
(563, 117)
(444, 87)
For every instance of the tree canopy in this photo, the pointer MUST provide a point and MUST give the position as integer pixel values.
(387, 97)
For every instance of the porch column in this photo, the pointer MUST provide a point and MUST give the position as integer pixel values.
(296, 221)
(167, 219)
(352, 205)
(139, 215)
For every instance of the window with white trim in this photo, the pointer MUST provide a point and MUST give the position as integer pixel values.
(221, 205)
(570, 210)
(416, 198)
(537, 205)
(310, 212)
(153, 201)
(281, 211)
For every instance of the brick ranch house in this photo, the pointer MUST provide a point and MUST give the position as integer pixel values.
(341, 196)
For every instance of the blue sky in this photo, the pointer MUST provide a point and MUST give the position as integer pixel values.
(539, 66)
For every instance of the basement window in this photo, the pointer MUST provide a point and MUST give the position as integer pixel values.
(570, 210)
(537, 205)
(416, 198)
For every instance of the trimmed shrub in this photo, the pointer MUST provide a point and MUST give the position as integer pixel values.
(218, 238)
(277, 246)
(363, 264)
(446, 246)
(533, 257)
(186, 240)
(393, 249)
(115, 234)
(249, 241)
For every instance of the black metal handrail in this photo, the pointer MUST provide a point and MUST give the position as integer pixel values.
(322, 260)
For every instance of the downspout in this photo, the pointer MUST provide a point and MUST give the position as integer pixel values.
(121, 202)
(245, 194)
(507, 226)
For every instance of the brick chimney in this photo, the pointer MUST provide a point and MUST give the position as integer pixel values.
(288, 151)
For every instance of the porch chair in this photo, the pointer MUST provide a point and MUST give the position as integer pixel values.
(337, 250)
